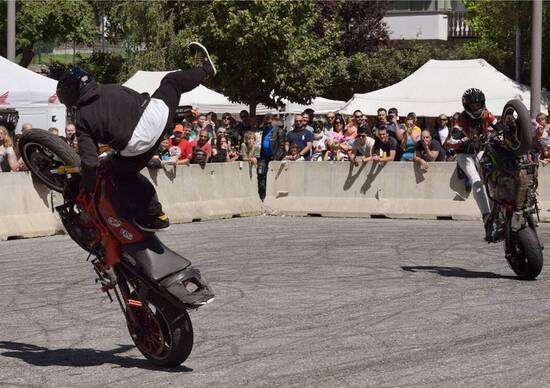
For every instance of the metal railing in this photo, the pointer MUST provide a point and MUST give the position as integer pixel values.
(457, 27)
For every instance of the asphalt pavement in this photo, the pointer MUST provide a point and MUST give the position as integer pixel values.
(303, 302)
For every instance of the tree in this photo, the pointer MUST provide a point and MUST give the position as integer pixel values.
(360, 23)
(495, 23)
(267, 50)
(48, 21)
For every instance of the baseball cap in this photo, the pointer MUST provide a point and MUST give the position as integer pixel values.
(178, 128)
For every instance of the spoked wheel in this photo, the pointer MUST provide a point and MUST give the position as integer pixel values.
(526, 260)
(43, 152)
(162, 333)
(518, 132)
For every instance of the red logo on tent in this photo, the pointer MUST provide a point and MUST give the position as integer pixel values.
(4, 98)
(52, 99)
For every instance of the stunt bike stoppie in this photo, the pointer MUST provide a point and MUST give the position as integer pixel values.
(506, 196)
(111, 210)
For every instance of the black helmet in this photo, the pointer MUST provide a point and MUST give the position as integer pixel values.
(472, 96)
(72, 85)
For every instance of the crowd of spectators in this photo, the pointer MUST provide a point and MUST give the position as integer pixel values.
(199, 138)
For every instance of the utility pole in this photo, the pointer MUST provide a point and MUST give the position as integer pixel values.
(11, 30)
(536, 56)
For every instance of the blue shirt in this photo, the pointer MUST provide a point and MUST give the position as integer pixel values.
(265, 152)
(300, 138)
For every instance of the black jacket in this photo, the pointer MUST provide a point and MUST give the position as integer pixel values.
(277, 143)
(106, 114)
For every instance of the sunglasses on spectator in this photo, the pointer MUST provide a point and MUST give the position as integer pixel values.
(359, 117)
(225, 118)
(330, 117)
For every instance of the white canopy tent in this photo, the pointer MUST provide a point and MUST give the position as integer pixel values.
(320, 105)
(206, 100)
(32, 95)
(437, 87)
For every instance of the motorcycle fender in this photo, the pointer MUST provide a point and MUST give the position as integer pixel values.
(155, 260)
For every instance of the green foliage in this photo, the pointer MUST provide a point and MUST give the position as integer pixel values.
(495, 23)
(362, 73)
(267, 48)
(44, 20)
(106, 67)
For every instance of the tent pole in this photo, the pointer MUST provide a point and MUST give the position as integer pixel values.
(536, 56)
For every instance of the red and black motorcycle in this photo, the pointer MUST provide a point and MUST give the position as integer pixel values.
(153, 285)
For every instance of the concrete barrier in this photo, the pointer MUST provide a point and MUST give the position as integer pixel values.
(394, 190)
(219, 190)
(26, 209)
(188, 193)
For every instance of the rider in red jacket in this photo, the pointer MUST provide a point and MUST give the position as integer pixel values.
(474, 122)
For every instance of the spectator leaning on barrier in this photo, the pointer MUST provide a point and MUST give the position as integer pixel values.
(21, 166)
(361, 151)
(220, 152)
(179, 148)
(162, 156)
(319, 141)
(384, 146)
(202, 143)
(301, 137)
(335, 138)
(8, 159)
(294, 153)
(428, 150)
(408, 141)
(540, 129)
(250, 151)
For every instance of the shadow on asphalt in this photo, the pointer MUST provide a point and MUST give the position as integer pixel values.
(455, 272)
(41, 356)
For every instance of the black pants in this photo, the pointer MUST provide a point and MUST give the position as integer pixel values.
(129, 183)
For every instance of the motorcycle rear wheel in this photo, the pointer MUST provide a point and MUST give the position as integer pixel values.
(526, 260)
(164, 334)
(43, 151)
(516, 118)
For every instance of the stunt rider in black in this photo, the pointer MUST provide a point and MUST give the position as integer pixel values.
(132, 124)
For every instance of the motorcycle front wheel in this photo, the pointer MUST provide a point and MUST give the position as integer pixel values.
(161, 332)
(526, 256)
(43, 152)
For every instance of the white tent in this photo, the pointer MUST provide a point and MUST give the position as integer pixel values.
(437, 88)
(320, 105)
(206, 100)
(32, 95)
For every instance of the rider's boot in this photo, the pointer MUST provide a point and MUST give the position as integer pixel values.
(154, 224)
(202, 59)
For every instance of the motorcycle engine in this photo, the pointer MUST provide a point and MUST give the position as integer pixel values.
(505, 188)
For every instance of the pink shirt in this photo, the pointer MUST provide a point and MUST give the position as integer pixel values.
(206, 147)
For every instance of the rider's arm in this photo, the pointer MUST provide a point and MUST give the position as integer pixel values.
(88, 155)
(456, 139)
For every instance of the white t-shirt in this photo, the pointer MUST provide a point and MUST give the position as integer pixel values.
(4, 155)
